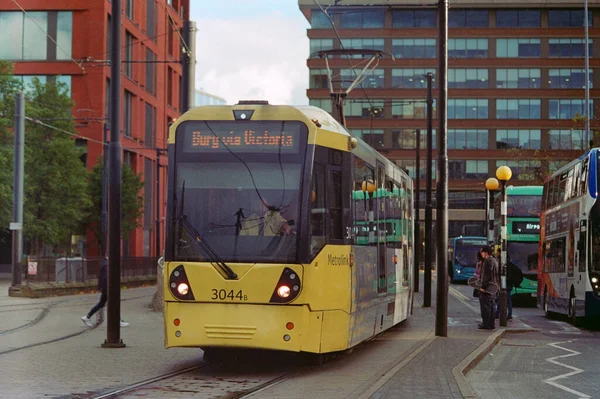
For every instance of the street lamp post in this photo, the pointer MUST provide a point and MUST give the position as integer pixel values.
(503, 173)
(491, 186)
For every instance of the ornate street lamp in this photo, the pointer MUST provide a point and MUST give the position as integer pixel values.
(491, 186)
(503, 173)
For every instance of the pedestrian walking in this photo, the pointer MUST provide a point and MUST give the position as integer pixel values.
(489, 275)
(99, 307)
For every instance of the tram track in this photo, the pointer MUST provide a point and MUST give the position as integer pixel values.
(44, 311)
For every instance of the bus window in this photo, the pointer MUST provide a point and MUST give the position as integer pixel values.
(576, 180)
(583, 180)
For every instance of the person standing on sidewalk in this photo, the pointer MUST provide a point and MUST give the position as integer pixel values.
(99, 307)
(489, 274)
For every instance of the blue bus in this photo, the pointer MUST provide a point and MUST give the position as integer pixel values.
(462, 256)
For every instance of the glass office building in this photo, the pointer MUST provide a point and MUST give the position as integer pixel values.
(516, 78)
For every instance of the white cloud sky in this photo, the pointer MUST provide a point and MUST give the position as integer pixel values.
(258, 57)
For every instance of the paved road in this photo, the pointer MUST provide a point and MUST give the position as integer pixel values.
(557, 361)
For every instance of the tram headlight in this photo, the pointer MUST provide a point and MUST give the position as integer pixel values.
(179, 284)
(183, 288)
(288, 287)
(284, 291)
(594, 280)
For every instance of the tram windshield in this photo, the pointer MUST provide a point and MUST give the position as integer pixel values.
(241, 197)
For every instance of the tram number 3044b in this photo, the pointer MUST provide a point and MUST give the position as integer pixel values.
(224, 294)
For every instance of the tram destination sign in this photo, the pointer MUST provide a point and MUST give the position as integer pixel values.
(525, 227)
(258, 137)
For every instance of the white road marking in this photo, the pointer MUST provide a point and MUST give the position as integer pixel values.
(551, 381)
(565, 328)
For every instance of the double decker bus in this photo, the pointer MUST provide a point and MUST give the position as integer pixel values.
(569, 262)
(284, 232)
(522, 233)
(462, 257)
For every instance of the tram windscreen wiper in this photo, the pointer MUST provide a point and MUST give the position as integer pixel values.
(214, 258)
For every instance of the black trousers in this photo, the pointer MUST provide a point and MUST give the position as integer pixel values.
(488, 313)
(100, 303)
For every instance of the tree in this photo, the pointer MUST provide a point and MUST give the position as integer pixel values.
(56, 195)
(132, 202)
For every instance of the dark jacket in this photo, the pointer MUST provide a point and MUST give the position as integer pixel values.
(489, 272)
(514, 275)
(102, 277)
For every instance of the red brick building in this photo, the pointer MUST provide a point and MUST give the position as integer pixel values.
(69, 40)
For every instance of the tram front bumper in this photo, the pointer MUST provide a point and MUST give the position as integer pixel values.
(278, 327)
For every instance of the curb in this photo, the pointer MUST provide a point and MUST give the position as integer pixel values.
(467, 364)
(74, 288)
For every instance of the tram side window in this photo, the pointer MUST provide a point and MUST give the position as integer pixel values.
(318, 210)
(555, 255)
(334, 199)
(363, 203)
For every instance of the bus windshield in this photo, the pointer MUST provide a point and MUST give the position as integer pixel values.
(524, 255)
(466, 256)
(524, 205)
(242, 200)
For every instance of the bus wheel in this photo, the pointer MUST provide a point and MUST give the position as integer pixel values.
(571, 311)
(546, 312)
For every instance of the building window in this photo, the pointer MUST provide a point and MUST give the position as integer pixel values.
(151, 19)
(414, 18)
(566, 48)
(521, 139)
(320, 44)
(149, 125)
(523, 169)
(128, 67)
(129, 9)
(518, 109)
(358, 19)
(468, 79)
(411, 109)
(518, 79)
(566, 139)
(127, 113)
(370, 44)
(373, 78)
(468, 18)
(513, 48)
(323, 103)
(518, 18)
(568, 108)
(553, 166)
(150, 72)
(36, 36)
(170, 37)
(467, 48)
(169, 86)
(319, 20)
(414, 48)
(467, 169)
(373, 137)
(569, 78)
(364, 108)
(410, 166)
(407, 139)
(108, 38)
(411, 78)
(466, 139)
(567, 18)
(467, 108)
(318, 79)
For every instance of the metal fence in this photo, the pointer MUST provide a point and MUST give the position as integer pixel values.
(68, 270)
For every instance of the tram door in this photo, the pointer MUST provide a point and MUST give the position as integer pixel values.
(381, 229)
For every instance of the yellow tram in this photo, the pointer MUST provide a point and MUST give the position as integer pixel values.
(283, 232)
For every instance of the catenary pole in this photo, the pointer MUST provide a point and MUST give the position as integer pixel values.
(417, 231)
(18, 179)
(441, 311)
(113, 338)
(428, 206)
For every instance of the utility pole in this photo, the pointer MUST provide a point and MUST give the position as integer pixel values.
(417, 234)
(441, 311)
(188, 66)
(113, 330)
(428, 207)
(586, 144)
(104, 191)
(18, 175)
